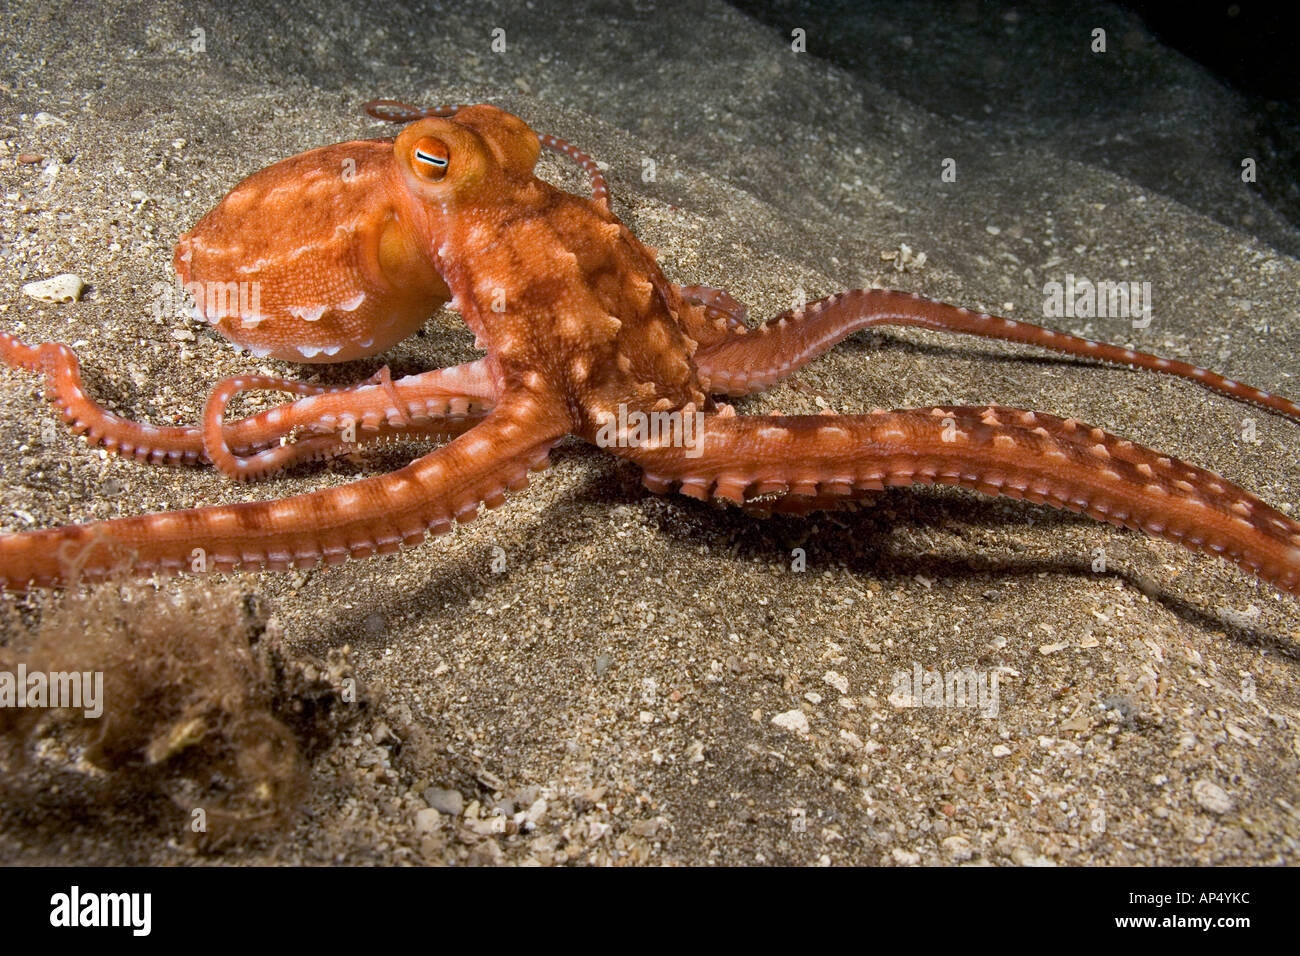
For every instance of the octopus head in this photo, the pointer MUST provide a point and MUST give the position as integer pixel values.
(470, 157)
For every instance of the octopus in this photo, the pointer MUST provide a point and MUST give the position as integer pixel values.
(338, 253)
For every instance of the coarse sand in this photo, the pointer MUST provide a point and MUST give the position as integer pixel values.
(651, 680)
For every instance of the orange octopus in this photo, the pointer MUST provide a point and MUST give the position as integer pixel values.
(340, 252)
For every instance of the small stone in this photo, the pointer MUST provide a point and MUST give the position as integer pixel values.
(42, 120)
(427, 820)
(957, 848)
(61, 288)
(838, 681)
(1079, 723)
(813, 697)
(602, 664)
(536, 813)
(1211, 796)
(449, 802)
(488, 826)
(905, 857)
(29, 159)
(792, 720)
(1001, 750)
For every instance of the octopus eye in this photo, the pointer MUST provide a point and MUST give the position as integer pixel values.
(429, 159)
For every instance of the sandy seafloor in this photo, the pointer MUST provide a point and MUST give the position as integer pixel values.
(627, 667)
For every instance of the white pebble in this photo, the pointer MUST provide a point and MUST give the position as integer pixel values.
(61, 288)
(793, 720)
(838, 681)
(1211, 796)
